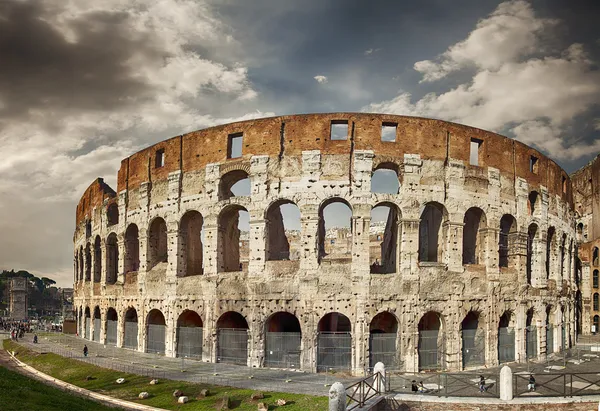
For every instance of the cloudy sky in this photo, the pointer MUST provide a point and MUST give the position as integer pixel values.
(84, 84)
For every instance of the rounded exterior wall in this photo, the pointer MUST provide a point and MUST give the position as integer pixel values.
(481, 226)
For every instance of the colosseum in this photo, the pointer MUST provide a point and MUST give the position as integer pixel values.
(330, 242)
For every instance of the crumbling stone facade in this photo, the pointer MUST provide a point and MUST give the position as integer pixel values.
(476, 265)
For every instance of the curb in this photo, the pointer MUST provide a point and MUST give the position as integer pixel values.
(81, 392)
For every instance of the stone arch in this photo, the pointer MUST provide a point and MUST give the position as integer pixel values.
(580, 232)
(112, 259)
(595, 279)
(384, 238)
(282, 231)
(232, 253)
(112, 214)
(334, 238)
(595, 254)
(88, 262)
(532, 201)
(473, 340)
(531, 249)
(383, 336)
(550, 249)
(432, 230)
(596, 324)
(431, 344)
(88, 324)
(156, 327)
(506, 338)
(158, 250)
(112, 321)
(232, 338)
(475, 226)
(97, 259)
(334, 342)
(190, 235)
(596, 302)
(97, 324)
(531, 348)
(384, 179)
(132, 249)
(130, 332)
(283, 336)
(233, 184)
(508, 242)
(189, 334)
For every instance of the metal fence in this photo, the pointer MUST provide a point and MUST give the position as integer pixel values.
(382, 347)
(97, 329)
(549, 339)
(232, 345)
(334, 351)
(556, 385)
(111, 332)
(156, 338)
(283, 350)
(130, 338)
(362, 391)
(88, 328)
(431, 350)
(189, 342)
(445, 384)
(506, 344)
(473, 347)
(531, 341)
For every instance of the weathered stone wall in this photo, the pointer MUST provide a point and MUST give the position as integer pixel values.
(18, 303)
(292, 158)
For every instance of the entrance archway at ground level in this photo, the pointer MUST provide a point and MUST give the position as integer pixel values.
(189, 335)
(97, 324)
(473, 341)
(88, 324)
(549, 330)
(130, 335)
(334, 343)
(530, 335)
(155, 337)
(506, 338)
(111, 326)
(283, 338)
(431, 342)
(232, 338)
(383, 333)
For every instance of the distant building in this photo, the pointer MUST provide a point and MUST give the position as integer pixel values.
(19, 300)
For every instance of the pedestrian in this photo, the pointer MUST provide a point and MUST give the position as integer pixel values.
(35, 338)
(413, 386)
(422, 388)
(481, 383)
(85, 351)
(531, 385)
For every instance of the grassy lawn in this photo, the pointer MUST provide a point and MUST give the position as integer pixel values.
(75, 372)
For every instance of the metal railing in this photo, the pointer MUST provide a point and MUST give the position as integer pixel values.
(362, 391)
(557, 384)
(444, 384)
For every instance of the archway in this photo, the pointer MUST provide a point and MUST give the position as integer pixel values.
(596, 324)
(530, 335)
(234, 184)
(531, 233)
(473, 341)
(475, 224)
(155, 337)
(190, 235)
(112, 259)
(335, 230)
(385, 179)
(232, 238)
(111, 326)
(88, 324)
(130, 335)
(550, 250)
(507, 242)
(97, 324)
(334, 343)
(232, 338)
(189, 335)
(506, 338)
(132, 249)
(549, 331)
(383, 333)
(112, 214)
(283, 337)
(97, 260)
(157, 243)
(431, 342)
(383, 238)
(431, 232)
(283, 231)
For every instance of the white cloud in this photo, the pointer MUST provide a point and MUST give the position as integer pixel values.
(371, 51)
(320, 79)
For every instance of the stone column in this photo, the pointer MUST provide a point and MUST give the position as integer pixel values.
(103, 265)
(452, 243)
(121, 259)
(209, 248)
(142, 330)
(506, 384)
(257, 242)
(208, 327)
(490, 240)
(172, 256)
(103, 326)
(521, 321)
(409, 244)
(309, 237)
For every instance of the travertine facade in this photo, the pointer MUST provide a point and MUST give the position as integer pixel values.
(164, 251)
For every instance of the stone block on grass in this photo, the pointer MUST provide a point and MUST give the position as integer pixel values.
(143, 395)
(183, 399)
(262, 406)
(225, 403)
(177, 393)
(257, 396)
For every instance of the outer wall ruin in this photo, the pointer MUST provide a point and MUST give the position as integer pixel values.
(160, 265)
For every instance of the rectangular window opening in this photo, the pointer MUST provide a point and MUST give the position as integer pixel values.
(159, 159)
(339, 130)
(234, 145)
(388, 132)
(475, 148)
(533, 164)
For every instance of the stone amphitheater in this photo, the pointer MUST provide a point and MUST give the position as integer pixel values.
(330, 242)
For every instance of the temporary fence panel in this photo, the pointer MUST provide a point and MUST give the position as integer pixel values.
(283, 350)
(431, 344)
(88, 328)
(111, 332)
(563, 330)
(506, 344)
(382, 348)
(131, 335)
(156, 338)
(334, 351)
(549, 339)
(189, 342)
(531, 341)
(97, 329)
(232, 345)
(473, 347)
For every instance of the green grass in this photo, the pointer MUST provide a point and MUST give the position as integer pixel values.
(75, 372)
(18, 393)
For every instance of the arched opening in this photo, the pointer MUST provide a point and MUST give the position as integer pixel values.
(595, 282)
(580, 232)
(334, 343)
(532, 202)
(189, 335)
(531, 335)
(130, 336)
(132, 249)
(157, 243)
(531, 233)
(97, 260)
(88, 324)
(112, 259)
(383, 332)
(235, 183)
(112, 214)
(595, 256)
(233, 236)
(81, 264)
(283, 338)
(473, 341)
(383, 238)
(596, 324)
(431, 342)
(507, 244)
(155, 337)
(475, 224)
(563, 247)
(88, 262)
(506, 338)
(190, 235)
(112, 321)
(596, 305)
(88, 229)
(431, 231)
(97, 324)
(550, 247)
(385, 179)
(335, 230)
(549, 331)
(283, 231)
(578, 311)
(232, 338)
(577, 271)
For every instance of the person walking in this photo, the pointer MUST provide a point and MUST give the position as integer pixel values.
(85, 350)
(481, 383)
(531, 385)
